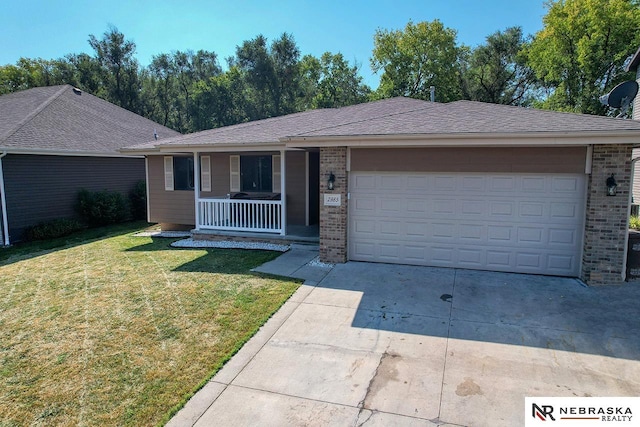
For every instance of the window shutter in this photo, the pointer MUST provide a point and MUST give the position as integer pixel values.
(205, 173)
(276, 174)
(234, 173)
(168, 173)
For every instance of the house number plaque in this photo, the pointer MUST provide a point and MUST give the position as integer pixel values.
(332, 200)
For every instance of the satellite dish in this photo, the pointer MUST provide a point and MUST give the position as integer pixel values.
(621, 96)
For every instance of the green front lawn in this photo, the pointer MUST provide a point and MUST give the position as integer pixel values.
(103, 328)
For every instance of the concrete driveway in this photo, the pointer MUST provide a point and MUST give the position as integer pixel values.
(381, 345)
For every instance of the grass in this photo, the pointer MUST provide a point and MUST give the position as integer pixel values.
(102, 328)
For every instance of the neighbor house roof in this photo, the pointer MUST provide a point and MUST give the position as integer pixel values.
(403, 118)
(635, 60)
(65, 120)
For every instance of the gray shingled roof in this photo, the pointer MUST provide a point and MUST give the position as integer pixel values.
(403, 116)
(469, 117)
(61, 119)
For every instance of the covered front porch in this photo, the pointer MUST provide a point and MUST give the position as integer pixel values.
(260, 195)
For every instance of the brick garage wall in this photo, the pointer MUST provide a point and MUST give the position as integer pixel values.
(606, 216)
(333, 219)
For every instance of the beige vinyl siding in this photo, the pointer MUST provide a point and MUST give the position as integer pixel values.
(462, 159)
(174, 207)
(296, 183)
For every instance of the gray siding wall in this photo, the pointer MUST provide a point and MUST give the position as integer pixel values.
(43, 188)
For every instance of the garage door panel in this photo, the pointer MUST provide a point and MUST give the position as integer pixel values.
(433, 219)
(501, 209)
(473, 208)
(563, 210)
(534, 184)
(501, 184)
(473, 183)
(566, 185)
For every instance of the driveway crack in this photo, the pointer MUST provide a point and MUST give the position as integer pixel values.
(362, 404)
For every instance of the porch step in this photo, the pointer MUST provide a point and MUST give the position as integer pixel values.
(252, 237)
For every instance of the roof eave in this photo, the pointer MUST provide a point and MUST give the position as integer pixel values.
(222, 147)
(468, 139)
(37, 151)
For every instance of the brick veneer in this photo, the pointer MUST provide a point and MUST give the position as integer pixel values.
(606, 216)
(333, 219)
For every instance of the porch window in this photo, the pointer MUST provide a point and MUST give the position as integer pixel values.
(183, 172)
(256, 174)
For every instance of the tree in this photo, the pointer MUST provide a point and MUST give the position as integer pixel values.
(89, 75)
(422, 55)
(332, 82)
(28, 73)
(272, 74)
(497, 71)
(173, 79)
(219, 101)
(580, 52)
(120, 69)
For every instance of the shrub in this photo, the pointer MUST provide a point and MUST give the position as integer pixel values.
(138, 200)
(634, 222)
(102, 207)
(52, 229)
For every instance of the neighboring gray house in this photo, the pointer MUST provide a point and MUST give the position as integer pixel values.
(634, 66)
(56, 140)
(463, 184)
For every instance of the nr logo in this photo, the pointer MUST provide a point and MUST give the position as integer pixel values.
(542, 412)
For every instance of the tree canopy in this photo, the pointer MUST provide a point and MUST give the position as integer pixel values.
(497, 71)
(414, 59)
(580, 52)
(578, 56)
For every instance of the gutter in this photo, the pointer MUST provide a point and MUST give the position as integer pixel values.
(41, 152)
(3, 202)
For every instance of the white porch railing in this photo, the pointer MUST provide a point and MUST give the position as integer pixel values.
(263, 216)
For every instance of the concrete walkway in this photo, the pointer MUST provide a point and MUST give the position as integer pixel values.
(380, 345)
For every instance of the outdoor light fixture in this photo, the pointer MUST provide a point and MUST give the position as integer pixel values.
(612, 185)
(331, 180)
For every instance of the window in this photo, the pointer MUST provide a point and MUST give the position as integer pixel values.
(183, 173)
(256, 174)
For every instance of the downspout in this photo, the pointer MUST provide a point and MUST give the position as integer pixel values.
(3, 201)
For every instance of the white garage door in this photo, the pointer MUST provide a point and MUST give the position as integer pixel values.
(524, 223)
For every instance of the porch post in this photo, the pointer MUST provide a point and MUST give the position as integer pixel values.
(283, 191)
(196, 185)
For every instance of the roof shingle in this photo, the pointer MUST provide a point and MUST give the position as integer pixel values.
(402, 116)
(63, 119)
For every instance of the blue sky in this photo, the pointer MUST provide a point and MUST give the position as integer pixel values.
(52, 29)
